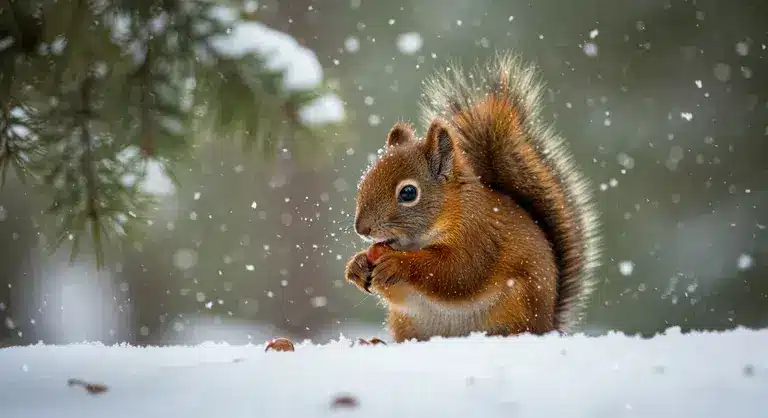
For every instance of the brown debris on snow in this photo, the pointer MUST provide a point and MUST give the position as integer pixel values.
(92, 388)
(279, 344)
(344, 401)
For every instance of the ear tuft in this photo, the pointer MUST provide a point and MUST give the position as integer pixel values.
(400, 134)
(439, 148)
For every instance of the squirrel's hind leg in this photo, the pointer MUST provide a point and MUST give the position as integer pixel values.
(520, 313)
(401, 327)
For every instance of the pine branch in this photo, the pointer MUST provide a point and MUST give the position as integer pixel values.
(144, 77)
(18, 144)
(91, 211)
(146, 141)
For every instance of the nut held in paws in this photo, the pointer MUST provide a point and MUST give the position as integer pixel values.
(279, 344)
(375, 251)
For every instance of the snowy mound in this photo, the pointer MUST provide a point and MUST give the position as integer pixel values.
(673, 375)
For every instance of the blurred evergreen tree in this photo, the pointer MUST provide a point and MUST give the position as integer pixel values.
(93, 91)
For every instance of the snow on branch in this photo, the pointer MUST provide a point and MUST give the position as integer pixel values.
(300, 68)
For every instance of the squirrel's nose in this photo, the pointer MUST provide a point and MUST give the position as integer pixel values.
(362, 228)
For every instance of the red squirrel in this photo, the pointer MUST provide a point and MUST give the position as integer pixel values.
(485, 224)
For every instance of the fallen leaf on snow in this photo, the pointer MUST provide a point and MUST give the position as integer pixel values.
(92, 388)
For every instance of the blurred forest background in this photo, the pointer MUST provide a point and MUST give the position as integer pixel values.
(664, 102)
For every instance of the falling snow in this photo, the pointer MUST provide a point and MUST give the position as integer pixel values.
(722, 72)
(409, 43)
(319, 301)
(185, 258)
(352, 44)
(745, 262)
(742, 49)
(625, 160)
(6, 43)
(626, 267)
(590, 49)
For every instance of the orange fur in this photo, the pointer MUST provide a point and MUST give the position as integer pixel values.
(402, 329)
(502, 237)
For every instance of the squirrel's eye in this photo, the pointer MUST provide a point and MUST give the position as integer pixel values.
(408, 194)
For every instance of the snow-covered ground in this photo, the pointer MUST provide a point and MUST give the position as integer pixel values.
(673, 375)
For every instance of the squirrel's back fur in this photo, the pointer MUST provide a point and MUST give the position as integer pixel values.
(502, 99)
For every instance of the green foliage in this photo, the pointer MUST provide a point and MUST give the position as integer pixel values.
(92, 91)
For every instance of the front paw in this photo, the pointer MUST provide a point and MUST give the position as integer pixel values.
(358, 271)
(388, 270)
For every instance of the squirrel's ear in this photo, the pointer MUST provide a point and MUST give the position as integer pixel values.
(439, 144)
(400, 134)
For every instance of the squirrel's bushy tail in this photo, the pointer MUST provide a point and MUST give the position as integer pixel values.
(501, 99)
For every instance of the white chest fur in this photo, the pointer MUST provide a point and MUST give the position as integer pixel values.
(430, 317)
